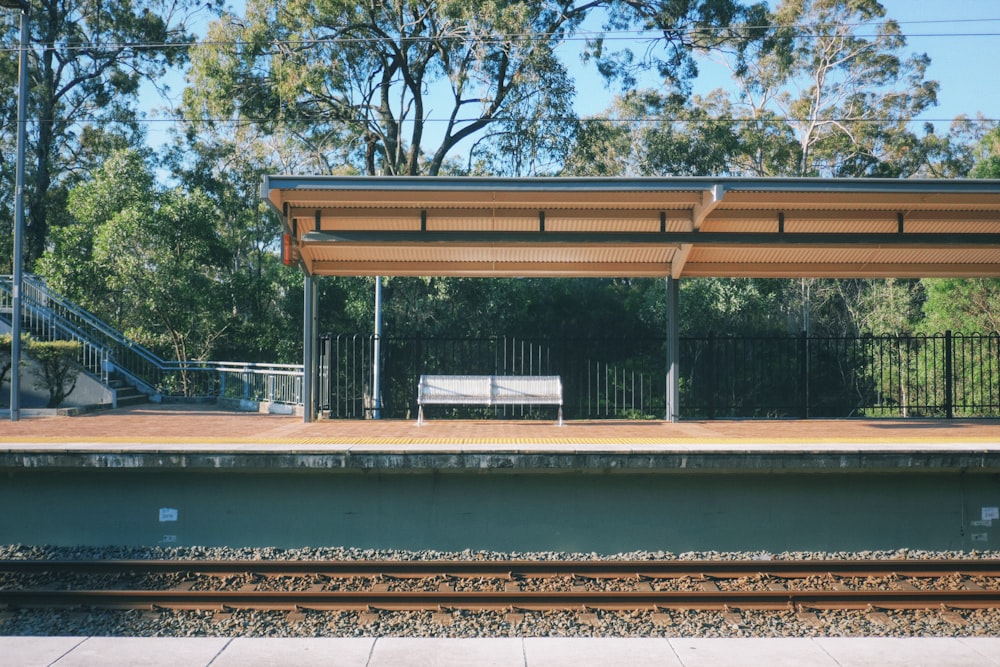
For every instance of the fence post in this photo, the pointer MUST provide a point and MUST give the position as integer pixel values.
(949, 389)
(713, 386)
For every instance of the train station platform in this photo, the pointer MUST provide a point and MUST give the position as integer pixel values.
(248, 479)
(196, 437)
(511, 652)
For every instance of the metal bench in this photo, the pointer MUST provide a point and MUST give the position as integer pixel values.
(488, 390)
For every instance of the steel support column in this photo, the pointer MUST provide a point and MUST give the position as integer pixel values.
(673, 350)
(309, 335)
(377, 353)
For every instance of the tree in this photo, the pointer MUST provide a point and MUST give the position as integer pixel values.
(227, 168)
(823, 87)
(815, 96)
(848, 96)
(646, 133)
(156, 259)
(395, 86)
(88, 60)
(970, 304)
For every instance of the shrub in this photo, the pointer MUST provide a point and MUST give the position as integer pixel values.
(5, 357)
(56, 370)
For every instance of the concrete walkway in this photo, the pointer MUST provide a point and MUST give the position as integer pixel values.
(514, 652)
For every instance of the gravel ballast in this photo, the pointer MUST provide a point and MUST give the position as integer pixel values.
(679, 623)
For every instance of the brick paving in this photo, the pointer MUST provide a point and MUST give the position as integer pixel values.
(191, 424)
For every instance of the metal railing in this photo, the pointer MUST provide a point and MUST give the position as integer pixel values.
(48, 316)
(942, 375)
(42, 318)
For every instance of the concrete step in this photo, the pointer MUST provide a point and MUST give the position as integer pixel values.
(125, 393)
(131, 399)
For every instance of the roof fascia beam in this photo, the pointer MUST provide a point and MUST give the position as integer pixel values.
(491, 269)
(763, 239)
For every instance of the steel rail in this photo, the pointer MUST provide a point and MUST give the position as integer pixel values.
(516, 569)
(506, 600)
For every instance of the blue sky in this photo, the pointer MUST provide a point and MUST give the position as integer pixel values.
(963, 42)
(961, 37)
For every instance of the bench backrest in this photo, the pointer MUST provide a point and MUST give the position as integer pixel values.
(490, 389)
(454, 389)
(527, 389)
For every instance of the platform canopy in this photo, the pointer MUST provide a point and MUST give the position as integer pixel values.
(639, 227)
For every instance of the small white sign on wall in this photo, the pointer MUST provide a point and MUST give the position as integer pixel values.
(168, 514)
(991, 513)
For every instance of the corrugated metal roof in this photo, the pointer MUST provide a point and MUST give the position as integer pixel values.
(619, 227)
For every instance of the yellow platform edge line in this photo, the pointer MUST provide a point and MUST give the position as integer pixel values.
(356, 441)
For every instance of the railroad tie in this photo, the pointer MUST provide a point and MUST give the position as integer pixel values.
(880, 618)
(732, 617)
(952, 616)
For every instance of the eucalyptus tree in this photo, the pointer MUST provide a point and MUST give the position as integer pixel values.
(425, 87)
(819, 88)
(837, 73)
(88, 60)
(402, 83)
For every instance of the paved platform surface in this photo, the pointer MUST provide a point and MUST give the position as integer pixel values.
(194, 437)
(513, 652)
(196, 424)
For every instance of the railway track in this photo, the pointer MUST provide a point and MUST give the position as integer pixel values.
(502, 585)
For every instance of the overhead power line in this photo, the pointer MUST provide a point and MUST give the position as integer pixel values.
(805, 30)
(553, 119)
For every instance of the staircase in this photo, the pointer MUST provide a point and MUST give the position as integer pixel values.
(135, 374)
(48, 316)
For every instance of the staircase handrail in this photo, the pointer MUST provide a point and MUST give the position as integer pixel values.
(91, 321)
(93, 356)
(106, 347)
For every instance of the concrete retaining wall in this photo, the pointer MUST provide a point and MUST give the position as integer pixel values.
(566, 511)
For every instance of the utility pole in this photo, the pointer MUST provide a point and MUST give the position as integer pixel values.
(18, 259)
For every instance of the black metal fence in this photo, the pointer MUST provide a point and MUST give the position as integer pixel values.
(941, 375)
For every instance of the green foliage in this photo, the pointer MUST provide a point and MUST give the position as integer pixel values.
(356, 82)
(357, 86)
(967, 305)
(5, 356)
(475, 307)
(988, 165)
(647, 134)
(88, 60)
(822, 88)
(6, 360)
(727, 306)
(56, 367)
(155, 259)
(262, 295)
